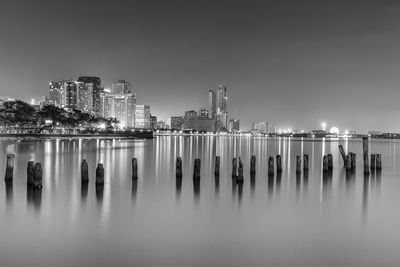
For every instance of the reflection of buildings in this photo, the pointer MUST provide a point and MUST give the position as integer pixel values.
(233, 125)
(142, 116)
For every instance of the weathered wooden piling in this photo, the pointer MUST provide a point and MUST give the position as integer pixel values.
(10, 168)
(378, 159)
(134, 168)
(37, 175)
(178, 167)
(217, 163)
(196, 169)
(240, 177)
(305, 162)
(343, 154)
(29, 172)
(253, 165)
(278, 164)
(372, 165)
(365, 155)
(234, 167)
(353, 157)
(100, 174)
(298, 164)
(330, 161)
(271, 166)
(348, 162)
(84, 171)
(325, 163)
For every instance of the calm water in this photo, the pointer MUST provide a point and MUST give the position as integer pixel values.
(292, 221)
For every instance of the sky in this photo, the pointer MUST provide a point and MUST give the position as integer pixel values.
(294, 64)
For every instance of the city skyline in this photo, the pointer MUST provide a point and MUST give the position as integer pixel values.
(290, 64)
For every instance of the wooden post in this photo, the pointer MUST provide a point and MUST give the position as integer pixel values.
(378, 159)
(270, 166)
(330, 161)
(240, 177)
(217, 163)
(37, 175)
(196, 170)
(29, 172)
(253, 165)
(10, 168)
(298, 164)
(278, 164)
(348, 162)
(178, 166)
(353, 160)
(84, 171)
(234, 167)
(100, 174)
(343, 154)
(325, 163)
(365, 155)
(305, 162)
(372, 166)
(134, 168)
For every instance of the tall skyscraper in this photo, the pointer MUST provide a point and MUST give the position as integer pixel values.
(176, 123)
(96, 90)
(122, 87)
(142, 116)
(71, 94)
(84, 96)
(222, 99)
(211, 103)
(57, 94)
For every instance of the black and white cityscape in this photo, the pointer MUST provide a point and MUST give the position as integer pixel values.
(199, 133)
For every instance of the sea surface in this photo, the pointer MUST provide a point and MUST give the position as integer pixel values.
(346, 219)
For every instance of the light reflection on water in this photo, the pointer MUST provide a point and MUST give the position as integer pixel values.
(338, 218)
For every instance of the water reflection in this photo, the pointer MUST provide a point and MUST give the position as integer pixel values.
(9, 192)
(99, 193)
(298, 184)
(252, 184)
(365, 197)
(216, 180)
(196, 190)
(178, 186)
(270, 185)
(34, 196)
(84, 191)
(278, 181)
(327, 182)
(134, 189)
(305, 181)
(240, 192)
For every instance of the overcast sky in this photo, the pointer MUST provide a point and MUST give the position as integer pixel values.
(290, 63)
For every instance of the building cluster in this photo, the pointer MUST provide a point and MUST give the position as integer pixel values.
(213, 118)
(88, 95)
(264, 128)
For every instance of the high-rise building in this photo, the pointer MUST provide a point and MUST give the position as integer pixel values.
(96, 90)
(57, 94)
(119, 106)
(221, 121)
(84, 97)
(142, 116)
(176, 123)
(122, 87)
(203, 113)
(273, 129)
(71, 90)
(211, 103)
(222, 99)
(153, 122)
(233, 125)
(189, 116)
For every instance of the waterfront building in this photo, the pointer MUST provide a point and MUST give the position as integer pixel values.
(211, 103)
(221, 121)
(273, 129)
(71, 93)
(260, 127)
(153, 122)
(176, 123)
(233, 125)
(203, 113)
(57, 94)
(222, 99)
(119, 106)
(122, 87)
(142, 116)
(161, 125)
(84, 97)
(189, 116)
(202, 124)
(96, 90)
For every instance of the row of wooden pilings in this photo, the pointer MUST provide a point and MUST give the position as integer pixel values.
(34, 170)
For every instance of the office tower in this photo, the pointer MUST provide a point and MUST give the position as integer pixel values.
(189, 116)
(153, 122)
(260, 127)
(57, 94)
(122, 87)
(96, 91)
(221, 121)
(233, 125)
(84, 97)
(221, 99)
(71, 93)
(211, 103)
(273, 129)
(176, 123)
(119, 106)
(142, 116)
